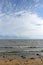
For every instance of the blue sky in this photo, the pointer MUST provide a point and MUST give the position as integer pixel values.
(21, 19)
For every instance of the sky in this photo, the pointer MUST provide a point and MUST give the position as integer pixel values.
(21, 19)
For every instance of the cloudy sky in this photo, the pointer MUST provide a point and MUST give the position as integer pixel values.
(21, 19)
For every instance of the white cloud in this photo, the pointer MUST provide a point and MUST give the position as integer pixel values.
(21, 26)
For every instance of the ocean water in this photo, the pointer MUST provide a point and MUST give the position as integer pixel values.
(28, 48)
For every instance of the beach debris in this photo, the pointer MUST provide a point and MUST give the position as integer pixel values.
(23, 57)
(32, 58)
(10, 59)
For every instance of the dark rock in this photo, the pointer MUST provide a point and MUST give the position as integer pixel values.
(37, 54)
(23, 57)
(3, 56)
(32, 58)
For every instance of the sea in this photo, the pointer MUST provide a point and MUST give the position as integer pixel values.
(22, 47)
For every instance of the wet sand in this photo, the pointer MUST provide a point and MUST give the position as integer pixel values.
(21, 61)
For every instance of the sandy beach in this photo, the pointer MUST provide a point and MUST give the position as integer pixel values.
(16, 61)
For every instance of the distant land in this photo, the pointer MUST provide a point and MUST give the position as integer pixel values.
(13, 37)
(20, 37)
